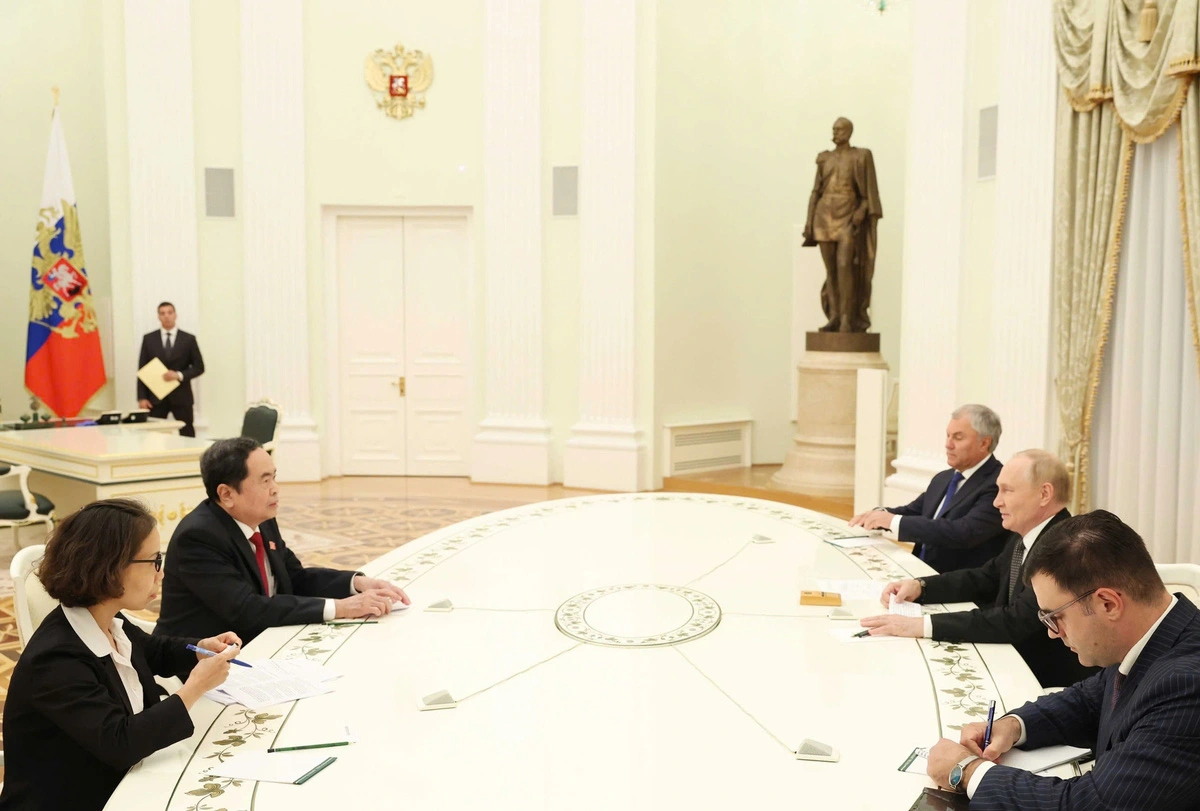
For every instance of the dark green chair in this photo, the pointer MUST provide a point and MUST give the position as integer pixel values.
(18, 506)
(260, 422)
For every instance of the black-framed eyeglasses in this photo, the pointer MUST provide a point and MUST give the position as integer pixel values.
(1050, 618)
(157, 560)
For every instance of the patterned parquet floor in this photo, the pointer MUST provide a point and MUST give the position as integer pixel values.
(342, 523)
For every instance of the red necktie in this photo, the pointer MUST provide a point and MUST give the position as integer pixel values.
(1118, 682)
(261, 556)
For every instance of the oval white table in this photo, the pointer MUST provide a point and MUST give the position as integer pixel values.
(608, 652)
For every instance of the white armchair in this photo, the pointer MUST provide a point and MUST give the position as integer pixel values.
(31, 603)
(1181, 577)
(19, 507)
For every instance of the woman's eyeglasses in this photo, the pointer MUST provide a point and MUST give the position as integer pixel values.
(1050, 618)
(157, 560)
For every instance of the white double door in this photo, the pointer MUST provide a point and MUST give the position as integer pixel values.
(403, 329)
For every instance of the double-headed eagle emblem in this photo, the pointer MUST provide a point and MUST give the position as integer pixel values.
(399, 80)
(61, 299)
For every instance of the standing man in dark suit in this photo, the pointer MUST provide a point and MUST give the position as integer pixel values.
(180, 353)
(954, 523)
(227, 565)
(1100, 593)
(1034, 491)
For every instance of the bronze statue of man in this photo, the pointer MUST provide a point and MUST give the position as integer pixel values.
(842, 215)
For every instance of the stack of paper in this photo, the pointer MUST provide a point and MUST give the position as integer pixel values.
(270, 682)
(853, 589)
(905, 609)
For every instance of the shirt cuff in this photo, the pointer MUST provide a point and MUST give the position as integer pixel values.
(330, 610)
(928, 626)
(353, 590)
(180, 376)
(977, 778)
(895, 525)
(1021, 740)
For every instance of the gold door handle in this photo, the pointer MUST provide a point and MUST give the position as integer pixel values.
(401, 384)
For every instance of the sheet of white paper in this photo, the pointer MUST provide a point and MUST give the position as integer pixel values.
(853, 589)
(904, 609)
(300, 668)
(272, 767)
(399, 606)
(269, 682)
(1039, 760)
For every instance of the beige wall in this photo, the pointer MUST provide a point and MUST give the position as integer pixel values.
(30, 63)
(747, 95)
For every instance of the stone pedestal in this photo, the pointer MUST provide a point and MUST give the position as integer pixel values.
(821, 459)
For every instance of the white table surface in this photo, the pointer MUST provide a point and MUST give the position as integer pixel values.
(547, 722)
(103, 441)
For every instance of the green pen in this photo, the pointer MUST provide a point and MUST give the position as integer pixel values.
(862, 633)
(304, 778)
(308, 746)
(353, 622)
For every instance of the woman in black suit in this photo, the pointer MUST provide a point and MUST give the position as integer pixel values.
(83, 706)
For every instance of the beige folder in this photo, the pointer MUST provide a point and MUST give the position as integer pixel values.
(152, 375)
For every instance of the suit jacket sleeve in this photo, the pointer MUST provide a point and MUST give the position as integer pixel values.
(979, 585)
(1153, 767)
(143, 392)
(166, 655)
(980, 524)
(195, 366)
(914, 507)
(207, 562)
(1011, 624)
(66, 691)
(315, 581)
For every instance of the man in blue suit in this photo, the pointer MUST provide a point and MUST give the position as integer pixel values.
(954, 522)
(1100, 594)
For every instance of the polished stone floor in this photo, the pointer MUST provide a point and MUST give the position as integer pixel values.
(342, 523)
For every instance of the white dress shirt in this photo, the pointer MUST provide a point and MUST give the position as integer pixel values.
(85, 627)
(174, 333)
(1029, 539)
(330, 608)
(1125, 668)
(894, 527)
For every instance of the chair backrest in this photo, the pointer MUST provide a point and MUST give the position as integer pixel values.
(260, 422)
(31, 603)
(1181, 577)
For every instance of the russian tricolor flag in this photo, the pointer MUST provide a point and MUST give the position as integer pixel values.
(64, 365)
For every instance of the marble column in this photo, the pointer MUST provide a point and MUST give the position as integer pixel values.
(606, 448)
(164, 260)
(513, 442)
(273, 211)
(933, 244)
(1019, 366)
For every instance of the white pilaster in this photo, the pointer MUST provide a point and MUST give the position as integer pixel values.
(1019, 369)
(933, 243)
(513, 443)
(273, 191)
(606, 447)
(164, 262)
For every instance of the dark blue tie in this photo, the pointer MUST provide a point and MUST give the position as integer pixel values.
(955, 481)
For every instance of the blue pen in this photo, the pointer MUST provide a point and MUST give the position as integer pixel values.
(987, 735)
(194, 649)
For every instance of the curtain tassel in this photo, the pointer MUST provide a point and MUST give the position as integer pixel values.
(1148, 21)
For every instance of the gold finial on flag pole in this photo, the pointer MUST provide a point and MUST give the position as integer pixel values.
(54, 91)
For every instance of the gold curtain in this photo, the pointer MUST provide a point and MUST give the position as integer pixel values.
(1118, 91)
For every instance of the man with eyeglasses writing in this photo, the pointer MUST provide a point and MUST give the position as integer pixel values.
(1099, 592)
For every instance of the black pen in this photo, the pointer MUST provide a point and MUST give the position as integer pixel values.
(862, 633)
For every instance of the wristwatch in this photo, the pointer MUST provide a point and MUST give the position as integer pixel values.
(921, 583)
(956, 774)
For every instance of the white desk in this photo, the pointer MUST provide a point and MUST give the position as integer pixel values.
(76, 466)
(547, 722)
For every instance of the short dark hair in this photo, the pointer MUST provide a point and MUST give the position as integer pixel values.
(166, 304)
(87, 553)
(1096, 550)
(225, 463)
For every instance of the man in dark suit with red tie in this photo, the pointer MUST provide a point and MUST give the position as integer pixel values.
(180, 353)
(954, 523)
(227, 564)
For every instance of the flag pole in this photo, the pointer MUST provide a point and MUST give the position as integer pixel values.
(54, 92)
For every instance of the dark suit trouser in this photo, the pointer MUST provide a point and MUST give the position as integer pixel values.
(183, 413)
